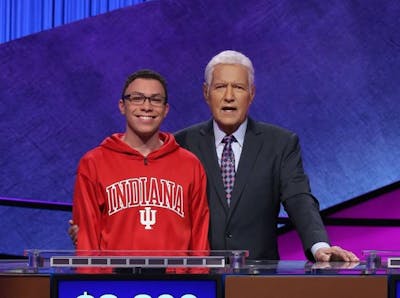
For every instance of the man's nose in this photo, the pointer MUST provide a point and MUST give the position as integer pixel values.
(229, 94)
(146, 105)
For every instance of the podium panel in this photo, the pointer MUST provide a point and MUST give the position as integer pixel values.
(27, 286)
(240, 286)
(306, 286)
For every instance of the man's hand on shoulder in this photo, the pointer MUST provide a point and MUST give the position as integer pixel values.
(73, 232)
(335, 253)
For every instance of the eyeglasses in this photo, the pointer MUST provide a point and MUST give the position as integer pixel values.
(139, 99)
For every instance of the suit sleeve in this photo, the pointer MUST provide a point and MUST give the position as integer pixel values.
(199, 212)
(85, 210)
(301, 206)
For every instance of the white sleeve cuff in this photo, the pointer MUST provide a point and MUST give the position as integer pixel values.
(317, 246)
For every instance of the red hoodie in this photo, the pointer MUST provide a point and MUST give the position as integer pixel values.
(125, 201)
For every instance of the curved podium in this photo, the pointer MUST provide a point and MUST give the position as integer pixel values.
(217, 274)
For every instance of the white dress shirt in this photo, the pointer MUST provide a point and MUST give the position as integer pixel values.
(236, 146)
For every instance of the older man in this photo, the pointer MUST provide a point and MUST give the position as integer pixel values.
(252, 168)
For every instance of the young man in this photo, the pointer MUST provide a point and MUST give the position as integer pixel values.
(139, 190)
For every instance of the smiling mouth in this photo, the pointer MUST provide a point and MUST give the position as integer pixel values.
(146, 117)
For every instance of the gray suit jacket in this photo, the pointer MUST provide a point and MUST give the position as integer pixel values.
(270, 172)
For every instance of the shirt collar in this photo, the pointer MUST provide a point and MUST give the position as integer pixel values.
(238, 134)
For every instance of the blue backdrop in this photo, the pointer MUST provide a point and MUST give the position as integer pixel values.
(19, 18)
(327, 71)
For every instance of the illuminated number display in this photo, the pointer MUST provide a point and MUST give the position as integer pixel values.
(109, 288)
(86, 295)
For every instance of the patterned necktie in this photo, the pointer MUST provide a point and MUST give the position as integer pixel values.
(228, 166)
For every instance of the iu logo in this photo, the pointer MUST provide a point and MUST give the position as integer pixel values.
(147, 217)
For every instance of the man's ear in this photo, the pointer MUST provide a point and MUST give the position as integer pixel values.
(121, 106)
(166, 110)
(252, 92)
(206, 90)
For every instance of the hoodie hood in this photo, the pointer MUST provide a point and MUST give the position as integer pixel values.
(115, 143)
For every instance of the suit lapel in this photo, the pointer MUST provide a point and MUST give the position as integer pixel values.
(207, 146)
(251, 148)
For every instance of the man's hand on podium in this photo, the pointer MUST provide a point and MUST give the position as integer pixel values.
(335, 253)
(73, 231)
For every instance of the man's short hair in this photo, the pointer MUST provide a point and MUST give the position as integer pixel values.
(146, 74)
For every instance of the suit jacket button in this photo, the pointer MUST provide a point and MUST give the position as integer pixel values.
(228, 235)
